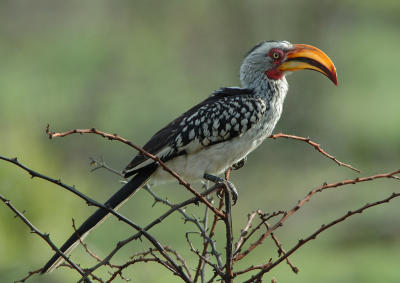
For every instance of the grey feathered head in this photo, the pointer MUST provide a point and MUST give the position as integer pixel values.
(274, 59)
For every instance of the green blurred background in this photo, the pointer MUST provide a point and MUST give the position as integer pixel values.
(131, 66)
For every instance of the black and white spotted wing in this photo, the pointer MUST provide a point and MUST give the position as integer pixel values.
(226, 114)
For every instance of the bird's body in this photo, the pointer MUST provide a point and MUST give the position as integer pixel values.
(221, 130)
(217, 133)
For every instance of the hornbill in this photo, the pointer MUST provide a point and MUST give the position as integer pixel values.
(219, 131)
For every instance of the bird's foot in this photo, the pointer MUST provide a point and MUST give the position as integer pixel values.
(239, 164)
(229, 186)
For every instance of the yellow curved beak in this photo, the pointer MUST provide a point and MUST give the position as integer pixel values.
(305, 56)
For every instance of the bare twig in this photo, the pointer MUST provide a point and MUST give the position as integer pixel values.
(228, 230)
(142, 151)
(229, 240)
(314, 235)
(102, 164)
(192, 248)
(149, 226)
(253, 267)
(245, 230)
(281, 251)
(163, 255)
(45, 237)
(144, 257)
(316, 146)
(92, 254)
(90, 201)
(260, 239)
(200, 267)
(309, 196)
(187, 218)
(30, 273)
(205, 247)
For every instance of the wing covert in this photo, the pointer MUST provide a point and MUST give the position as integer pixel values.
(226, 114)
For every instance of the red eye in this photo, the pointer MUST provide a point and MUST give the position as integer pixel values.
(275, 54)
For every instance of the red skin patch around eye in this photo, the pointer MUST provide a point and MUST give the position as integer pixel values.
(275, 74)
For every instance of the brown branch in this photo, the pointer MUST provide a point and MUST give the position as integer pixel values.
(128, 263)
(238, 255)
(148, 227)
(143, 257)
(214, 266)
(142, 151)
(245, 230)
(187, 218)
(45, 237)
(180, 259)
(316, 146)
(94, 277)
(92, 254)
(30, 273)
(307, 198)
(228, 278)
(102, 164)
(281, 251)
(205, 247)
(254, 267)
(90, 201)
(201, 268)
(323, 227)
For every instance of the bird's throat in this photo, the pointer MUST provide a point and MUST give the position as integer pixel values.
(274, 74)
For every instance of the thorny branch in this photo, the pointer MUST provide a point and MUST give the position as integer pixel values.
(45, 237)
(325, 186)
(162, 254)
(148, 227)
(142, 151)
(90, 201)
(316, 146)
(314, 235)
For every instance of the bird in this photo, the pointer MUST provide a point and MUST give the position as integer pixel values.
(218, 132)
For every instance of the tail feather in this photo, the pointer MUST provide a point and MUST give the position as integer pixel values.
(98, 217)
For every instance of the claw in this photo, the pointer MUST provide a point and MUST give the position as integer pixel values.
(233, 191)
(230, 187)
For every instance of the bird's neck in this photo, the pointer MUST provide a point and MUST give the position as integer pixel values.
(271, 90)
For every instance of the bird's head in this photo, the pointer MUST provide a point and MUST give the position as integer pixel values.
(274, 59)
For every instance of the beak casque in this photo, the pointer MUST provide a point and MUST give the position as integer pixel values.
(305, 56)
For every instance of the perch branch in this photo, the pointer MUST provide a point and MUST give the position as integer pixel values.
(142, 151)
(149, 226)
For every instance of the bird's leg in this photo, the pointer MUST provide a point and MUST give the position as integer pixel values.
(227, 184)
(239, 164)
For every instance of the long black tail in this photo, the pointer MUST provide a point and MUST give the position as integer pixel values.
(96, 218)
